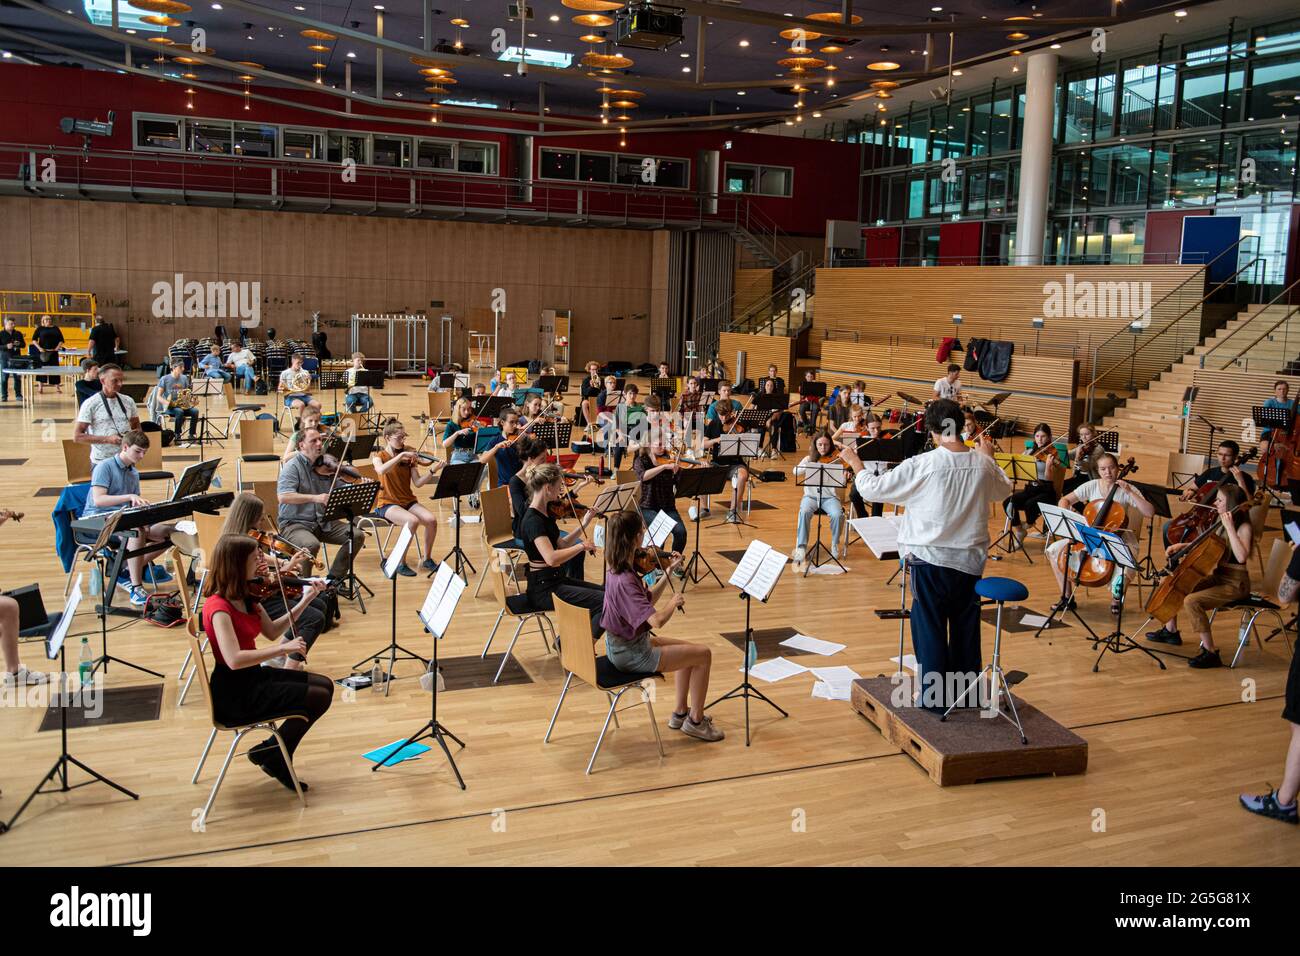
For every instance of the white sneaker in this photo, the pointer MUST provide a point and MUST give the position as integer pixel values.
(704, 730)
(798, 556)
(24, 677)
(139, 596)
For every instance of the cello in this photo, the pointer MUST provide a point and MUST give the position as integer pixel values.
(1202, 515)
(1198, 561)
(1105, 515)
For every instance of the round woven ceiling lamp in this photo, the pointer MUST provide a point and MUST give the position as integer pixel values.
(250, 65)
(592, 6)
(162, 21)
(430, 63)
(832, 18)
(801, 63)
(592, 38)
(606, 61)
(628, 94)
(831, 48)
(884, 84)
(189, 60)
(435, 71)
(797, 34)
(316, 35)
(170, 7)
(883, 66)
(162, 41)
(593, 20)
(624, 104)
(318, 48)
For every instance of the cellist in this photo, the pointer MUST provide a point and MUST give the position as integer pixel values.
(1280, 399)
(1229, 582)
(1097, 490)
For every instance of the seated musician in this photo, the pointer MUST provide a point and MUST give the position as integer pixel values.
(868, 432)
(242, 363)
(658, 475)
(88, 384)
(1279, 399)
(840, 410)
(303, 489)
(248, 513)
(809, 405)
(630, 616)
(310, 418)
(460, 436)
(213, 366)
(533, 452)
(738, 471)
(358, 397)
(104, 418)
(858, 394)
(779, 421)
(1228, 470)
(970, 428)
(1084, 459)
(723, 401)
(1096, 490)
(688, 406)
(398, 469)
(1042, 489)
(14, 674)
(290, 387)
(1229, 582)
(610, 395)
(1280, 804)
(950, 385)
(778, 383)
(532, 411)
(243, 692)
(663, 371)
(115, 484)
(169, 387)
(501, 449)
(826, 499)
(620, 422)
(549, 551)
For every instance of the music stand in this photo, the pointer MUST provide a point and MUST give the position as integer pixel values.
(832, 475)
(1112, 547)
(665, 388)
(371, 379)
(350, 449)
(205, 388)
(744, 446)
(396, 557)
(1158, 495)
(491, 406)
(552, 384)
(196, 479)
(56, 644)
(108, 575)
(454, 481)
(755, 576)
(623, 497)
(1017, 468)
(350, 502)
(553, 434)
(696, 483)
(332, 380)
(1066, 524)
(436, 614)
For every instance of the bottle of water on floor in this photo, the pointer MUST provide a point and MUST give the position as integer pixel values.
(85, 663)
(376, 677)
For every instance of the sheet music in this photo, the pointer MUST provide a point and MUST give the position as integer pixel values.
(879, 534)
(661, 529)
(398, 554)
(437, 587)
(749, 563)
(65, 623)
(767, 574)
(441, 619)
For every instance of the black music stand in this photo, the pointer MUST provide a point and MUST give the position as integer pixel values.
(108, 571)
(1061, 525)
(350, 449)
(1158, 495)
(350, 502)
(332, 380)
(665, 388)
(196, 479)
(1111, 547)
(394, 560)
(453, 482)
(742, 445)
(372, 379)
(554, 435)
(696, 483)
(820, 476)
(552, 384)
(1018, 468)
(435, 615)
(56, 644)
(490, 406)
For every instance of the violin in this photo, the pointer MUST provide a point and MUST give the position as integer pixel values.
(267, 586)
(1107, 516)
(574, 480)
(1202, 516)
(329, 465)
(1193, 565)
(10, 515)
(646, 560)
(566, 507)
(275, 544)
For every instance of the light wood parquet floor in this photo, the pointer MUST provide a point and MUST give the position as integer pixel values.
(1169, 750)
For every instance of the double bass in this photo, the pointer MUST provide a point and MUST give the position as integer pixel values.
(1104, 515)
(1202, 515)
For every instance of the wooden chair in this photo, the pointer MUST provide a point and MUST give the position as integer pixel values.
(256, 443)
(1261, 601)
(517, 607)
(498, 533)
(151, 466)
(578, 655)
(76, 460)
(440, 406)
(207, 531)
(238, 410)
(270, 724)
(270, 495)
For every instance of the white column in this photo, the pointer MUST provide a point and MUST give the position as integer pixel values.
(1035, 158)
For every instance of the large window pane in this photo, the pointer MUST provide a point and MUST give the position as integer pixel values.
(209, 137)
(997, 189)
(674, 174)
(1274, 88)
(1195, 167)
(343, 146)
(1137, 105)
(776, 181)
(1080, 98)
(918, 134)
(303, 144)
(742, 179)
(255, 140)
(596, 168)
(477, 158)
(436, 155)
(1274, 158)
(977, 182)
(392, 151)
(158, 134)
(980, 113)
(1210, 84)
(916, 196)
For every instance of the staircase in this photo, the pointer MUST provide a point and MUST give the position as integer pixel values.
(1152, 421)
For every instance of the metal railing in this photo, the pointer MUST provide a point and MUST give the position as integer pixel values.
(1290, 342)
(764, 317)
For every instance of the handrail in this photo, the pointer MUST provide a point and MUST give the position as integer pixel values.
(1259, 338)
(1098, 376)
(741, 323)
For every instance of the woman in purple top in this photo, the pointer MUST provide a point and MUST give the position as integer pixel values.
(629, 615)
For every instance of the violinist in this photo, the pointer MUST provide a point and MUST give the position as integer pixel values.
(1043, 489)
(532, 410)
(1084, 459)
(626, 415)
(841, 409)
(461, 433)
(809, 405)
(872, 430)
(1229, 582)
(1099, 489)
(658, 476)
(826, 500)
(970, 428)
(630, 615)
(243, 692)
(549, 551)
(303, 491)
(689, 405)
(310, 418)
(398, 468)
(725, 424)
(247, 513)
(503, 448)
(723, 401)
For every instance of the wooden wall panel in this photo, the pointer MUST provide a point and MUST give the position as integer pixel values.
(150, 237)
(55, 238)
(1225, 399)
(760, 352)
(104, 227)
(16, 235)
(752, 286)
(284, 251)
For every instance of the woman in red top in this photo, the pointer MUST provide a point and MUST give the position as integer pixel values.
(243, 691)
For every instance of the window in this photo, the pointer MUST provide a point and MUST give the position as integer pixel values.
(392, 151)
(255, 140)
(477, 158)
(759, 180)
(345, 146)
(596, 168)
(673, 174)
(304, 144)
(209, 136)
(158, 134)
(1273, 88)
(435, 154)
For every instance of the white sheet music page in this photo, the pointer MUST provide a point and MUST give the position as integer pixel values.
(661, 528)
(441, 619)
(437, 587)
(398, 554)
(753, 557)
(767, 574)
(879, 534)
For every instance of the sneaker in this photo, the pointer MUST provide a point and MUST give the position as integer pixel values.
(428, 564)
(23, 677)
(676, 720)
(1067, 605)
(1206, 660)
(704, 730)
(798, 556)
(157, 574)
(405, 570)
(473, 501)
(733, 517)
(1266, 805)
(125, 584)
(1164, 636)
(139, 596)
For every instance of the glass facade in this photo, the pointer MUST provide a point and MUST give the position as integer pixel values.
(1211, 123)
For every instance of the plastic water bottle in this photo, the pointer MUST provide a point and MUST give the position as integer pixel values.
(752, 653)
(376, 677)
(86, 663)
(1117, 586)
(96, 581)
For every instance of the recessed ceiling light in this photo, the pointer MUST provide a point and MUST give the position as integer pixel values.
(817, 114)
(555, 18)
(740, 92)
(131, 32)
(532, 35)
(1180, 13)
(379, 6)
(1056, 46)
(956, 73)
(299, 8)
(686, 69)
(684, 56)
(216, 6)
(936, 9)
(744, 43)
(351, 55)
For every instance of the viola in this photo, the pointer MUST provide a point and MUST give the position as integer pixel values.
(573, 480)
(1107, 516)
(268, 586)
(328, 465)
(1202, 515)
(646, 560)
(275, 544)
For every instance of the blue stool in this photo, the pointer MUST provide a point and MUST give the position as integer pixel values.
(999, 590)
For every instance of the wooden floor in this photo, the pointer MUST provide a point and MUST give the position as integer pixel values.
(1169, 749)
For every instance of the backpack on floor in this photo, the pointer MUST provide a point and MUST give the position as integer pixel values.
(163, 609)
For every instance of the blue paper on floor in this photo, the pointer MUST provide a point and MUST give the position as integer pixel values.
(409, 752)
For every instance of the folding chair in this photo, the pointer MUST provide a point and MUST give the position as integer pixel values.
(1261, 602)
(256, 443)
(517, 607)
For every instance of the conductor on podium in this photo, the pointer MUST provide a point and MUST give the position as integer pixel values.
(944, 537)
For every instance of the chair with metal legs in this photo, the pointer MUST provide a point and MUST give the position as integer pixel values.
(516, 605)
(578, 654)
(1260, 602)
(1000, 591)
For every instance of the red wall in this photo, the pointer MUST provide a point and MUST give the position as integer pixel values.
(1163, 241)
(33, 99)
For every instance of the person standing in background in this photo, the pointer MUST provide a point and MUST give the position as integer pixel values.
(11, 347)
(104, 341)
(48, 339)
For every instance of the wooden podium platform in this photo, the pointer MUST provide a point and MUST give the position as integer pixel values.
(969, 747)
